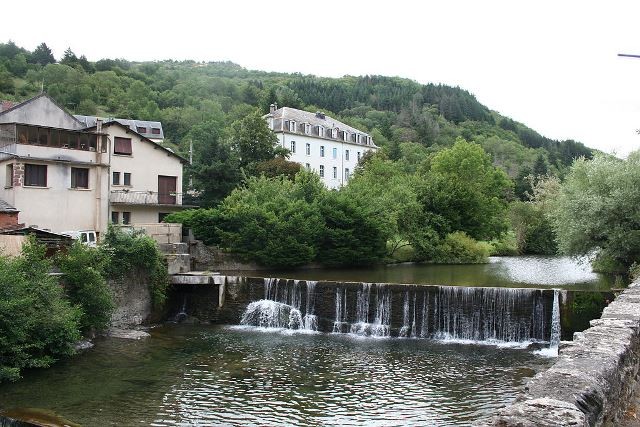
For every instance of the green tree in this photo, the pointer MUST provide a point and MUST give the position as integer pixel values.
(42, 55)
(350, 236)
(278, 166)
(270, 222)
(254, 142)
(465, 192)
(215, 170)
(597, 210)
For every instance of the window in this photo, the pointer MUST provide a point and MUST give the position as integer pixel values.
(84, 141)
(346, 174)
(308, 147)
(141, 129)
(122, 145)
(116, 178)
(321, 171)
(104, 144)
(335, 172)
(32, 135)
(69, 140)
(126, 217)
(292, 126)
(320, 131)
(346, 154)
(155, 131)
(162, 216)
(293, 146)
(335, 153)
(79, 178)
(9, 180)
(322, 151)
(35, 175)
(307, 128)
(358, 156)
(307, 165)
(54, 138)
(127, 178)
(43, 137)
(115, 217)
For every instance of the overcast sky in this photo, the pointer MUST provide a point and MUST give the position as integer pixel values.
(552, 65)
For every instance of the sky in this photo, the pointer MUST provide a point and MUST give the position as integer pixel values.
(551, 65)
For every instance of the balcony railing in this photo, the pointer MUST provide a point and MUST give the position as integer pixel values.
(129, 197)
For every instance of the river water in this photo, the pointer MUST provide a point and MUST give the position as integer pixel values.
(521, 271)
(216, 375)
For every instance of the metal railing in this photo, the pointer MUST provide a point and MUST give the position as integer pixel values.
(130, 197)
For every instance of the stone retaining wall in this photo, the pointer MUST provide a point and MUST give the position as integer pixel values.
(593, 379)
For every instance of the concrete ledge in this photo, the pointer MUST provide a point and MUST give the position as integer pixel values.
(593, 379)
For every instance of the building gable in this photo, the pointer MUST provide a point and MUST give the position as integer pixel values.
(40, 111)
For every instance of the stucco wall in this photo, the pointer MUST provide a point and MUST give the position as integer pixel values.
(593, 378)
(145, 164)
(315, 160)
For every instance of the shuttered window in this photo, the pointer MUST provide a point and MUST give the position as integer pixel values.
(122, 145)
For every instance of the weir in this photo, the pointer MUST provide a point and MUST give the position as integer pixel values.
(462, 314)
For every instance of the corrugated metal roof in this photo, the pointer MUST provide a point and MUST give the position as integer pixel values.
(135, 125)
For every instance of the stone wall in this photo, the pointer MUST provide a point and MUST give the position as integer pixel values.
(132, 301)
(593, 378)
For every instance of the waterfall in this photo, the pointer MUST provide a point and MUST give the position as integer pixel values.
(449, 313)
(554, 339)
(362, 326)
(488, 314)
(311, 320)
(405, 330)
(281, 306)
(340, 323)
(424, 330)
(382, 323)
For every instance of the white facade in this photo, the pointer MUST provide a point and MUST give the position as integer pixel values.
(62, 179)
(319, 143)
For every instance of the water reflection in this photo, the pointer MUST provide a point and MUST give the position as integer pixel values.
(529, 271)
(221, 376)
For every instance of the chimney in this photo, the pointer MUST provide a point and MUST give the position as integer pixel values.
(99, 125)
(272, 108)
(320, 115)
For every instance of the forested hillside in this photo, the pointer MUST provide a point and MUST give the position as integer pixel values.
(409, 119)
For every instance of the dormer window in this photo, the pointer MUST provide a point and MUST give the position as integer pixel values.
(307, 128)
(141, 129)
(334, 133)
(292, 126)
(320, 131)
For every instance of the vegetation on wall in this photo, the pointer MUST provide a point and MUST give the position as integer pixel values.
(134, 254)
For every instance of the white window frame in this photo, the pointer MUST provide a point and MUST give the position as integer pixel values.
(321, 171)
(308, 149)
(292, 145)
(322, 151)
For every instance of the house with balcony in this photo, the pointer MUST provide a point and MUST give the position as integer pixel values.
(320, 143)
(63, 175)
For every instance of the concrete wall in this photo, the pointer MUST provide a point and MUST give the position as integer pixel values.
(41, 112)
(593, 378)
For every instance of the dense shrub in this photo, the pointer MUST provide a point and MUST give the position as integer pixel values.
(458, 248)
(86, 286)
(37, 324)
(350, 237)
(135, 253)
(203, 222)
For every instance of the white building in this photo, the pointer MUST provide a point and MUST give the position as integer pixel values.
(64, 176)
(320, 143)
